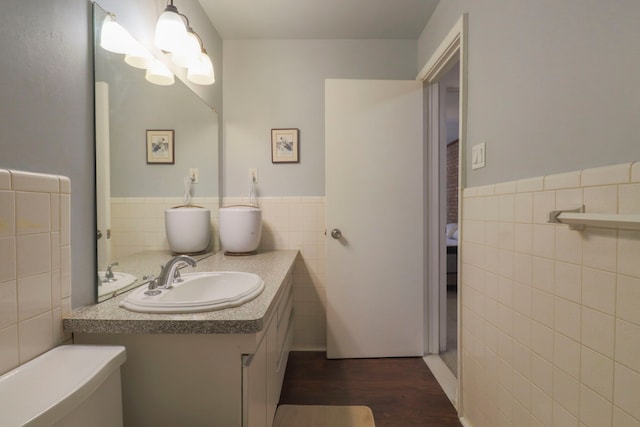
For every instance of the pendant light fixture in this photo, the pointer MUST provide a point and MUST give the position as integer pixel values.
(170, 30)
(174, 36)
(189, 52)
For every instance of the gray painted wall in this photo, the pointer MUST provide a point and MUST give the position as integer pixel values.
(46, 113)
(280, 84)
(136, 106)
(553, 85)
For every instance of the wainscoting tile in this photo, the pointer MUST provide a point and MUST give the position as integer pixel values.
(628, 299)
(33, 213)
(30, 298)
(36, 336)
(596, 372)
(562, 180)
(8, 304)
(7, 213)
(615, 174)
(29, 181)
(559, 308)
(5, 179)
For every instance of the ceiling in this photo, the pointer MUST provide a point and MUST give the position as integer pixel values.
(319, 19)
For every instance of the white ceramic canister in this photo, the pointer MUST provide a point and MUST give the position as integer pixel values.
(188, 229)
(240, 229)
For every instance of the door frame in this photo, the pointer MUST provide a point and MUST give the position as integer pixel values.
(103, 176)
(452, 49)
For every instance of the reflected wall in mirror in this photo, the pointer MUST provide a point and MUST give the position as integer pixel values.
(131, 195)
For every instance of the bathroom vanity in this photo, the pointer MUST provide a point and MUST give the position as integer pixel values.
(221, 368)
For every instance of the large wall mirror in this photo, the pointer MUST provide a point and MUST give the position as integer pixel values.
(132, 193)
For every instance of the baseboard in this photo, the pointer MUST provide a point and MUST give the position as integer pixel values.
(308, 348)
(445, 378)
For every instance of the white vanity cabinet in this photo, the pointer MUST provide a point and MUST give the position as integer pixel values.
(263, 371)
(195, 378)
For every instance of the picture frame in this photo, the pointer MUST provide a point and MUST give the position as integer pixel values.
(285, 146)
(160, 147)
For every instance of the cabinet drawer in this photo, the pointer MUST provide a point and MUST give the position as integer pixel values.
(283, 357)
(283, 325)
(286, 295)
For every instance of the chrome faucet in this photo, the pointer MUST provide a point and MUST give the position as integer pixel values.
(169, 272)
(108, 275)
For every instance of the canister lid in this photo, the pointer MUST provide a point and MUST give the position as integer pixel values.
(186, 207)
(241, 208)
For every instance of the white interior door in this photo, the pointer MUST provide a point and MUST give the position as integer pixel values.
(374, 188)
(103, 164)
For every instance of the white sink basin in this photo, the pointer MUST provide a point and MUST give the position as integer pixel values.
(122, 281)
(198, 292)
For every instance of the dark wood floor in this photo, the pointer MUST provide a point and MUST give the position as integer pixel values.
(399, 391)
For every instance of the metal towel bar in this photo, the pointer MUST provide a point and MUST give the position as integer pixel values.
(578, 219)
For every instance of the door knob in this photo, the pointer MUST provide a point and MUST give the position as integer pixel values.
(336, 233)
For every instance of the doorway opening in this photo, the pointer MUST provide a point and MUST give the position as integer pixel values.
(444, 83)
(450, 145)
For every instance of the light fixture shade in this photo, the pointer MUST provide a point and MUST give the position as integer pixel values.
(114, 37)
(159, 74)
(189, 51)
(202, 72)
(170, 30)
(139, 57)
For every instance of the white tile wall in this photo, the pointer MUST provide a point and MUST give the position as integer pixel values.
(35, 265)
(556, 310)
(137, 223)
(287, 223)
(299, 223)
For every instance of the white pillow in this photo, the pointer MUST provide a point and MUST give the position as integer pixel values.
(451, 229)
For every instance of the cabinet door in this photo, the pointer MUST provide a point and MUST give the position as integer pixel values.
(273, 384)
(254, 388)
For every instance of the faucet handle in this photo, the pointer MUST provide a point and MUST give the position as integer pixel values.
(176, 276)
(152, 281)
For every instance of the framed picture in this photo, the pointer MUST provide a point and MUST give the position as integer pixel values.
(160, 147)
(284, 146)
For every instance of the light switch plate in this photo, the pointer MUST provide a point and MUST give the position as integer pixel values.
(478, 153)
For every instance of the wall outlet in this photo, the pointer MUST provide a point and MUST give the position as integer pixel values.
(478, 153)
(253, 175)
(193, 174)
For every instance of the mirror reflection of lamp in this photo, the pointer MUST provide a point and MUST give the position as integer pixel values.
(139, 57)
(202, 72)
(158, 73)
(114, 37)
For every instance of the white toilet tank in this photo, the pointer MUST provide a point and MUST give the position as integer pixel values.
(68, 386)
(240, 229)
(188, 229)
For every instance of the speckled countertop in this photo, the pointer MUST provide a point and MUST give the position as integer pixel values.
(273, 266)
